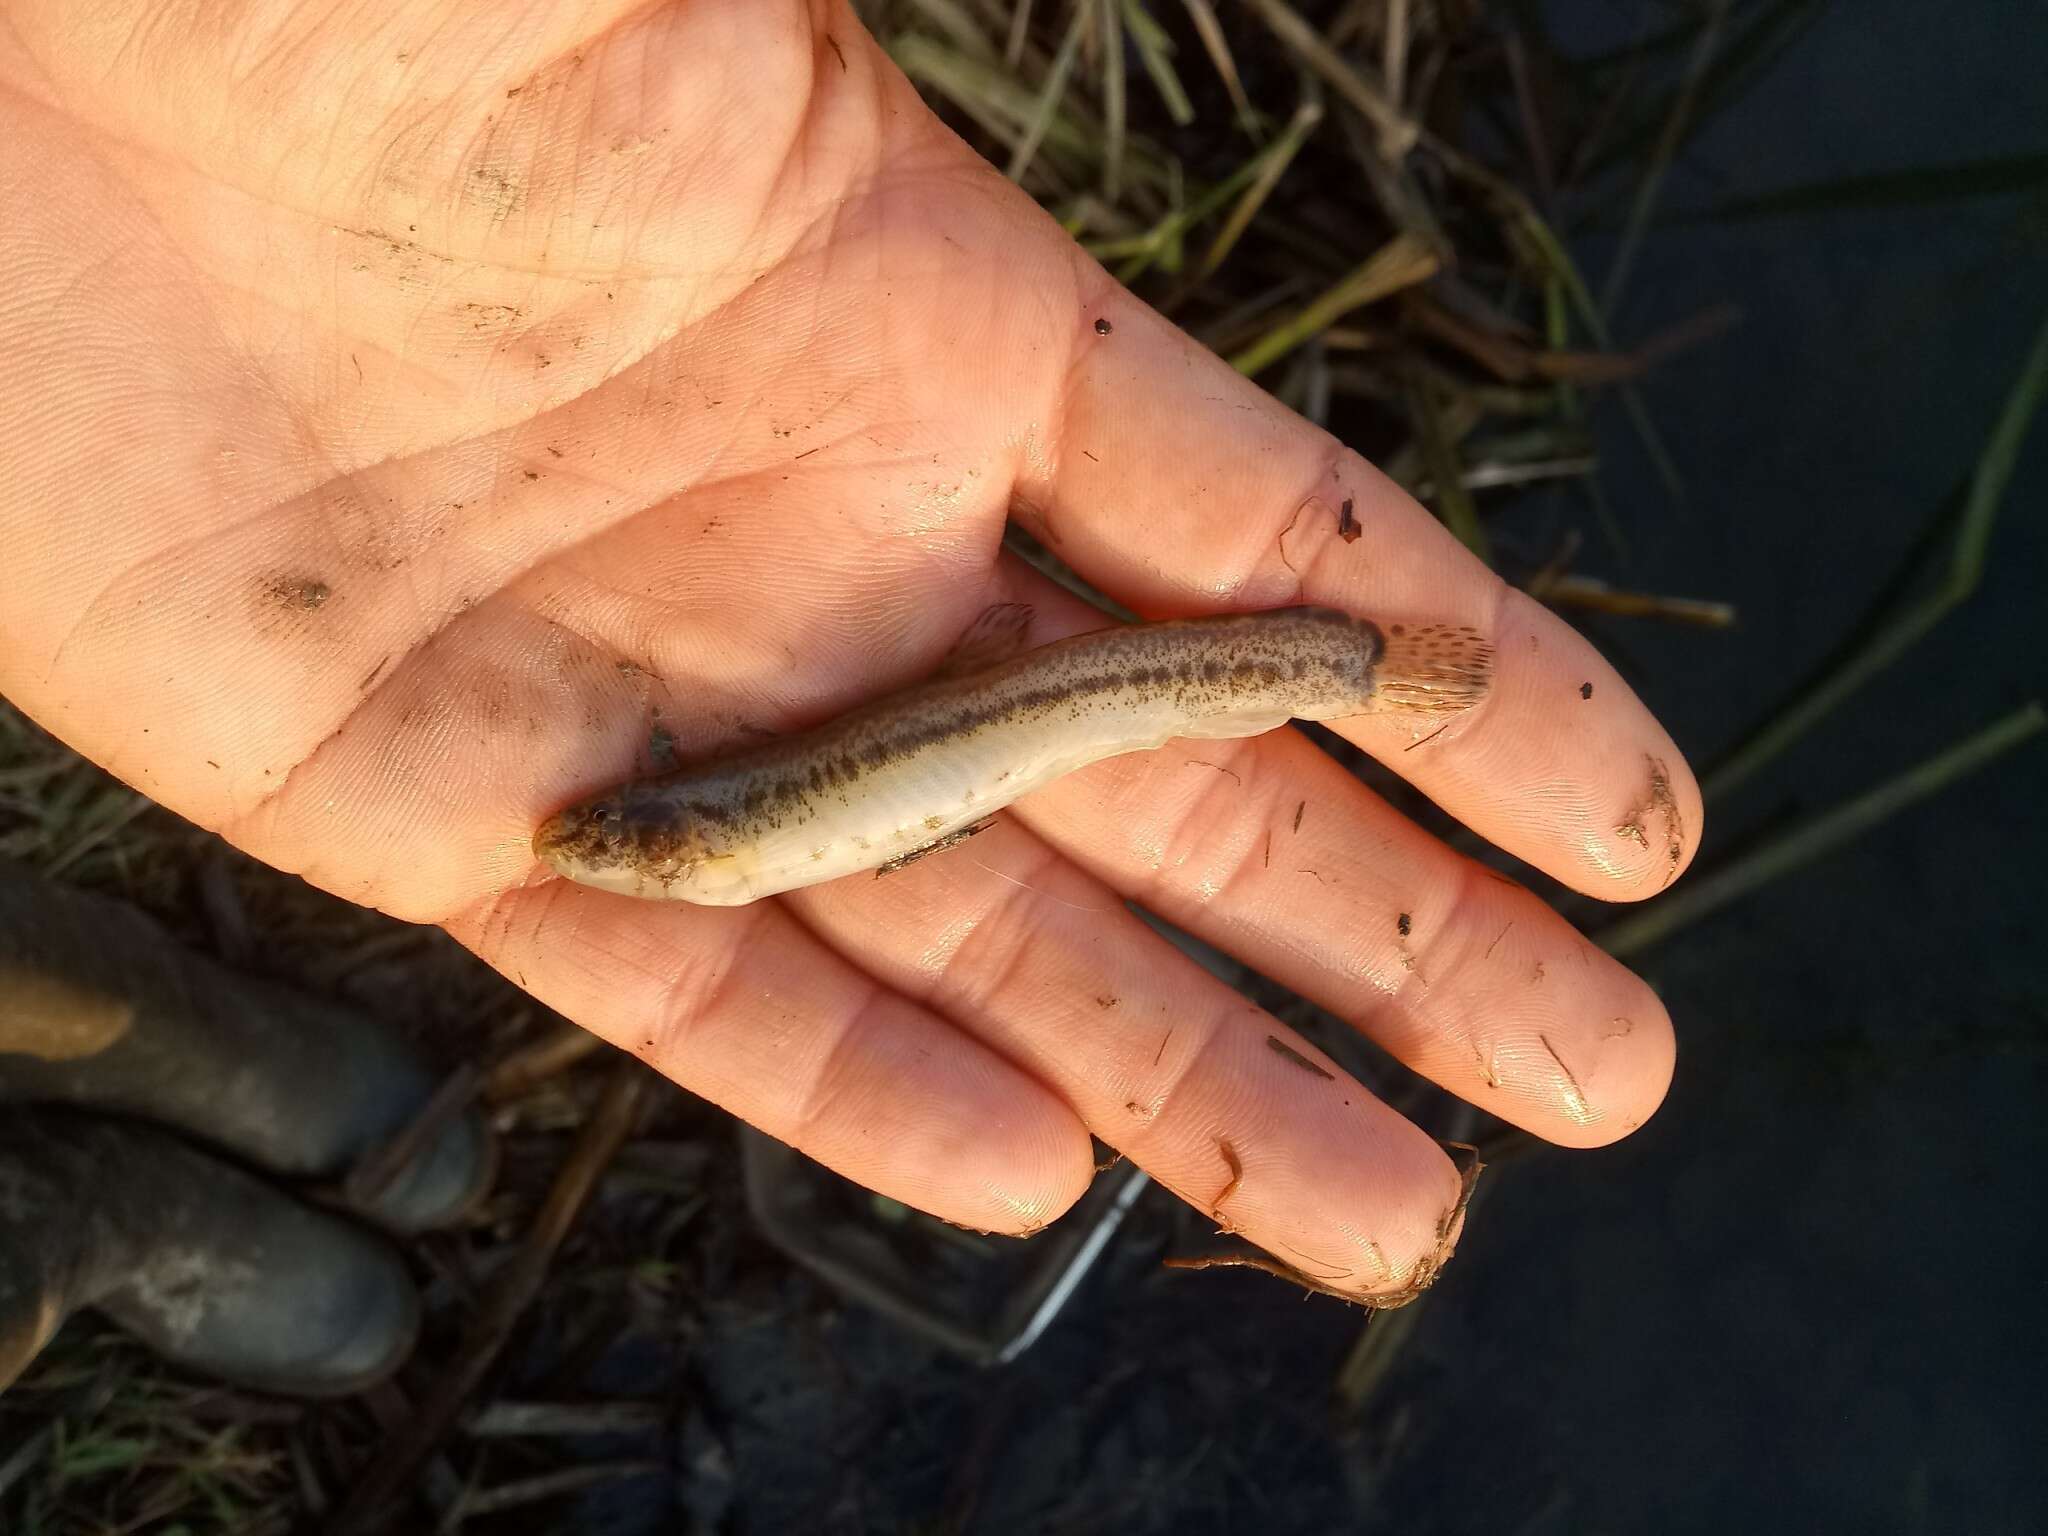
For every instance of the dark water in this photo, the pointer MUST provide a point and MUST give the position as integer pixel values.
(1809, 1295)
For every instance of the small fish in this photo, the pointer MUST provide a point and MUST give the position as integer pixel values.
(913, 771)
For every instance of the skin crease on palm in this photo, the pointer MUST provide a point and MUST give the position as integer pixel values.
(408, 408)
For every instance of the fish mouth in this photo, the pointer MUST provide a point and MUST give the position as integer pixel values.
(550, 843)
(563, 845)
(592, 843)
(580, 841)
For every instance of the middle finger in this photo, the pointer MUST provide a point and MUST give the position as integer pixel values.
(1273, 852)
(1159, 1059)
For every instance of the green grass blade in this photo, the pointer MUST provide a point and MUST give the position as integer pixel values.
(1203, 17)
(1004, 108)
(1452, 501)
(1559, 260)
(953, 21)
(1402, 262)
(1155, 52)
(1666, 146)
(1020, 34)
(959, 79)
(1110, 16)
(1140, 251)
(1922, 187)
(1272, 163)
(86, 1457)
(1749, 58)
(1770, 29)
(1822, 835)
(1049, 94)
(1896, 625)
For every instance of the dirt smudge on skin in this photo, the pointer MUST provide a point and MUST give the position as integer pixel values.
(499, 189)
(661, 748)
(1420, 1279)
(1487, 1074)
(1291, 1054)
(293, 607)
(298, 593)
(1314, 505)
(1661, 805)
(1236, 1167)
(1574, 1096)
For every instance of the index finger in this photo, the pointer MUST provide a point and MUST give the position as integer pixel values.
(1178, 486)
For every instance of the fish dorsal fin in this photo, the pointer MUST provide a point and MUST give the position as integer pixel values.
(997, 635)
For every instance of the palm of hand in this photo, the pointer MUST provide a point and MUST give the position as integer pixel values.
(424, 442)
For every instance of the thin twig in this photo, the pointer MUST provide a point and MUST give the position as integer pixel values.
(479, 1502)
(1374, 1354)
(504, 1304)
(1509, 359)
(538, 1060)
(614, 1416)
(379, 1167)
(1397, 133)
(1394, 53)
(1598, 597)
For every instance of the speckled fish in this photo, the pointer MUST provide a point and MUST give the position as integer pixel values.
(917, 770)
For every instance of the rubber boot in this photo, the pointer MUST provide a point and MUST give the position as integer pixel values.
(211, 1268)
(100, 1008)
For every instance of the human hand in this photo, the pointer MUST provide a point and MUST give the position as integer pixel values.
(405, 416)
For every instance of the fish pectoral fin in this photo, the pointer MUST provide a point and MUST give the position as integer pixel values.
(937, 845)
(995, 636)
